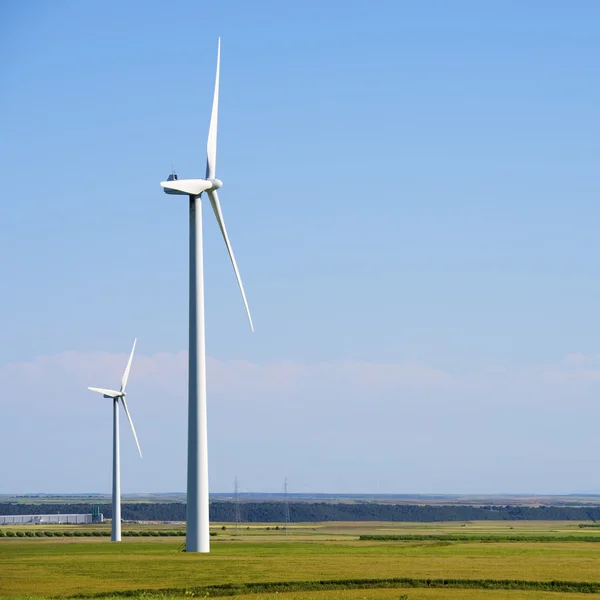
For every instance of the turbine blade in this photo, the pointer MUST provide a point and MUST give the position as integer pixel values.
(131, 423)
(214, 201)
(128, 368)
(211, 144)
(109, 393)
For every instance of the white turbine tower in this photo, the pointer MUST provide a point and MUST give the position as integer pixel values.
(197, 532)
(116, 489)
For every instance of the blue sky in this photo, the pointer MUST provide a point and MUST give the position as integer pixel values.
(411, 192)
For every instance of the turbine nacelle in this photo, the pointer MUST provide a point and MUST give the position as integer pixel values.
(190, 187)
(114, 394)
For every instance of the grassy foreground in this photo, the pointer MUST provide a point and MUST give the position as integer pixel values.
(383, 594)
(297, 562)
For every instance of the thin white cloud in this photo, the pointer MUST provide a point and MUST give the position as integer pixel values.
(347, 422)
(164, 369)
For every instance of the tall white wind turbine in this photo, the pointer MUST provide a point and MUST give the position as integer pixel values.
(197, 533)
(116, 488)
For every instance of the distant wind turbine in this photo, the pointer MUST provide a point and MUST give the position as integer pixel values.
(116, 489)
(197, 532)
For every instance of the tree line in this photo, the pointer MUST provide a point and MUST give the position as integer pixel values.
(274, 512)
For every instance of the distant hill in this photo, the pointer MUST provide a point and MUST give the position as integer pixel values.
(273, 512)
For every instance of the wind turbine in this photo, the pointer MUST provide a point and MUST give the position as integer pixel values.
(197, 532)
(116, 488)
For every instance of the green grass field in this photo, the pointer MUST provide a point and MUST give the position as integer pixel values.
(65, 567)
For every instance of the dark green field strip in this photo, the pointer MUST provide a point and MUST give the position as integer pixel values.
(97, 533)
(352, 584)
(452, 537)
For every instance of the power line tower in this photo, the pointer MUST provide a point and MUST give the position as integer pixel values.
(238, 512)
(286, 506)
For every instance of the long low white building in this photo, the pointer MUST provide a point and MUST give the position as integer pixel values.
(76, 519)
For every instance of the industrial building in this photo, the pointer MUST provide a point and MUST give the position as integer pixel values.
(57, 519)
